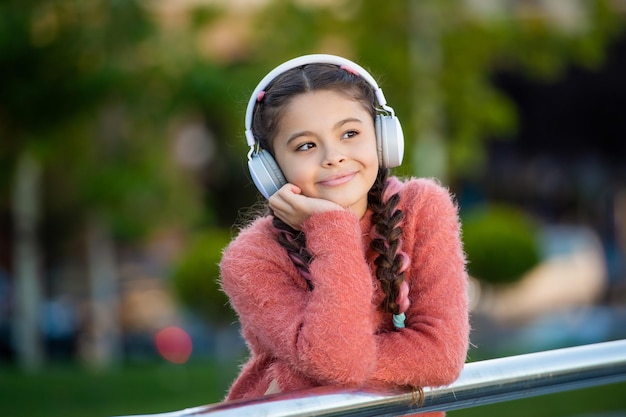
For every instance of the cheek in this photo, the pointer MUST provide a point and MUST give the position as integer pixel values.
(296, 173)
(372, 152)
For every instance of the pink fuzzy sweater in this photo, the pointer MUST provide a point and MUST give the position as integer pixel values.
(336, 333)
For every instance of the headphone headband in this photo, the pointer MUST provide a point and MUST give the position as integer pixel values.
(305, 60)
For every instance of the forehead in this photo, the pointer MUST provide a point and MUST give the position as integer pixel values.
(321, 104)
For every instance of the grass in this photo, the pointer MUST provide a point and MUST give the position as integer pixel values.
(72, 391)
(605, 400)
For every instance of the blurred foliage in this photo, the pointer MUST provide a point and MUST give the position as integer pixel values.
(80, 95)
(532, 45)
(501, 243)
(99, 92)
(195, 277)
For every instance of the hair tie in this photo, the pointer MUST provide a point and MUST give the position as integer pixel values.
(403, 305)
(350, 70)
(398, 320)
(259, 97)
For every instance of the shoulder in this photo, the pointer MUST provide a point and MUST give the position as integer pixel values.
(259, 237)
(252, 256)
(421, 192)
(428, 205)
(260, 227)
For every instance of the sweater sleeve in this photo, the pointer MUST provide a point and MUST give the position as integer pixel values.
(326, 333)
(431, 349)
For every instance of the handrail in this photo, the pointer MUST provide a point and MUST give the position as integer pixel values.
(480, 383)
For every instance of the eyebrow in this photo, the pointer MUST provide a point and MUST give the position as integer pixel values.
(336, 126)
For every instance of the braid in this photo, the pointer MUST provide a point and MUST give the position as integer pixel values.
(295, 244)
(391, 261)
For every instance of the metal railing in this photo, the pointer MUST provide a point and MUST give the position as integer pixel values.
(480, 383)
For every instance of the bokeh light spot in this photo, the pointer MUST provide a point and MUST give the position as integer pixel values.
(173, 344)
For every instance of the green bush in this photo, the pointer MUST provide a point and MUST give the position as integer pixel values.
(195, 277)
(500, 242)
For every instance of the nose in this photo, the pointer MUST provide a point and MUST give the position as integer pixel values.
(333, 156)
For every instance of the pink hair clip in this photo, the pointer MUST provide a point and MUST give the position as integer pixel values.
(350, 70)
(259, 98)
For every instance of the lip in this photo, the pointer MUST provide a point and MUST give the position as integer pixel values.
(338, 179)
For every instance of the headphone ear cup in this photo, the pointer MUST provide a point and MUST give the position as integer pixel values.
(389, 140)
(265, 173)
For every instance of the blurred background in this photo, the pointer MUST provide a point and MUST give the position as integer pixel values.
(124, 175)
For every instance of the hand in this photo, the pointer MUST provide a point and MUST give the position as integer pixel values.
(292, 207)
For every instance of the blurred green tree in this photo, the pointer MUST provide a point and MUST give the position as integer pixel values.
(85, 99)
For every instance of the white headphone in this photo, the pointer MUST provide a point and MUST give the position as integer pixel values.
(264, 170)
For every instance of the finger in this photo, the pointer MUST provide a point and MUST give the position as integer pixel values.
(295, 189)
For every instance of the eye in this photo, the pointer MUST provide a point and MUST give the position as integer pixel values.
(349, 134)
(305, 146)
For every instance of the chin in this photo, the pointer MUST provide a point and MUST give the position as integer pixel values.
(344, 202)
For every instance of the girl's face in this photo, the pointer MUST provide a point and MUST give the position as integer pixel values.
(326, 145)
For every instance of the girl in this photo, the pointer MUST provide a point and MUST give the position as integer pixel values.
(355, 278)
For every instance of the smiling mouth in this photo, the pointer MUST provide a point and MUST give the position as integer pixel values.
(337, 179)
